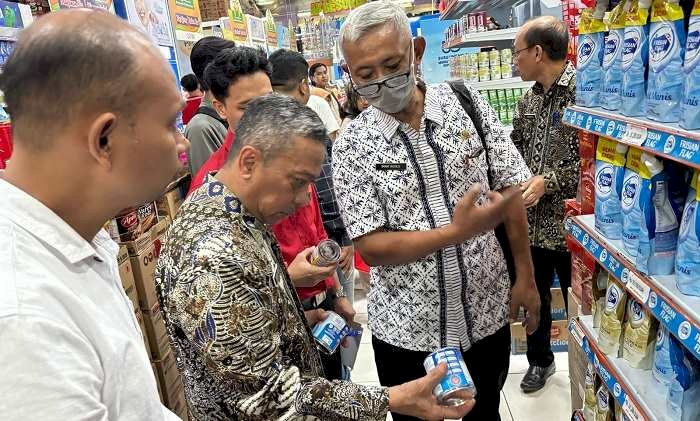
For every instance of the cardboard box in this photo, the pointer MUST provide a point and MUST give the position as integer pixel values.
(158, 338)
(559, 337)
(170, 203)
(578, 362)
(558, 308)
(178, 403)
(155, 375)
(169, 378)
(144, 254)
(146, 343)
(126, 274)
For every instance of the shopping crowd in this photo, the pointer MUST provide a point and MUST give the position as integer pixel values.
(460, 222)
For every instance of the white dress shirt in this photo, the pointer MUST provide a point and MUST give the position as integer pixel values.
(70, 346)
(325, 113)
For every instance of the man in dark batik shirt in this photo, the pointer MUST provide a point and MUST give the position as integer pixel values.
(550, 150)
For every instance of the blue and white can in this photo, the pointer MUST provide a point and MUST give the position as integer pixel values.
(457, 378)
(329, 332)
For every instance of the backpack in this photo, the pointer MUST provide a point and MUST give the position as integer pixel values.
(206, 110)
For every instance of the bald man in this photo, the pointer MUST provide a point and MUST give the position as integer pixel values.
(86, 146)
(550, 150)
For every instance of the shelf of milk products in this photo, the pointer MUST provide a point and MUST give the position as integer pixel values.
(638, 393)
(679, 313)
(509, 83)
(468, 40)
(663, 139)
(459, 8)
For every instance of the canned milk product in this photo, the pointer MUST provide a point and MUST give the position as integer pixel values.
(481, 23)
(483, 59)
(495, 72)
(326, 253)
(473, 59)
(506, 71)
(506, 56)
(457, 378)
(328, 333)
(494, 58)
(484, 74)
(472, 74)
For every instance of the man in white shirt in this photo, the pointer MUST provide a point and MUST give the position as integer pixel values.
(86, 146)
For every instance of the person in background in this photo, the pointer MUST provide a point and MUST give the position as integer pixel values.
(237, 325)
(408, 174)
(193, 96)
(207, 129)
(237, 76)
(306, 229)
(71, 345)
(550, 150)
(320, 79)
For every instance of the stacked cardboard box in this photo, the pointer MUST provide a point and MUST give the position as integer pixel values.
(559, 332)
(578, 362)
(137, 262)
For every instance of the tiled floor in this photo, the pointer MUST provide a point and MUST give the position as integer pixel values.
(553, 400)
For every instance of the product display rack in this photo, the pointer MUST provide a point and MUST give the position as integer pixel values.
(468, 40)
(459, 8)
(637, 392)
(509, 83)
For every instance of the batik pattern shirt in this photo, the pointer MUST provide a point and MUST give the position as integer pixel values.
(391, 177)
(241, 339)
(551, 150)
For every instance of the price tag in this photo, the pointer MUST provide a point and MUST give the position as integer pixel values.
(632, 411)
(635, 135)
(577, 333)
(638, 288)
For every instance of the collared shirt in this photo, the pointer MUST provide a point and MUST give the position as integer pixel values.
(550, 149)
(71, 347)
(390, 177)
(243, 346)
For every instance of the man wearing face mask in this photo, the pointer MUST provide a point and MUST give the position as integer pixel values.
(412, 174)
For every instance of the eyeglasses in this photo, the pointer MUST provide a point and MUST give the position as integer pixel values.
(516, 53)
(391, 81)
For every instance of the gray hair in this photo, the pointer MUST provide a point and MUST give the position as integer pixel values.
(370, 16)
(272, 122)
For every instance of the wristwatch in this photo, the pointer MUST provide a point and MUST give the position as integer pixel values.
(339, 293)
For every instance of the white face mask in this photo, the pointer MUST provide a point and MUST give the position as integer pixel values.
(393, 92)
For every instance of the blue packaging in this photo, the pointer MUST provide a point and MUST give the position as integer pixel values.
(636, 178)
(609, 172)
(679, 374)
(688, 254)
(330, 332)
(690, 105)
(666, 53)
(589, 60)
(662, 207)
(457, 377)
(635, 56)
(612, 59)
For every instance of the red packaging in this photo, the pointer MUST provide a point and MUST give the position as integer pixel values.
(128, 224)
(583, 271)
(571, 208)
(586, 189)
(481, 22)
(472, 26)
(5, 144)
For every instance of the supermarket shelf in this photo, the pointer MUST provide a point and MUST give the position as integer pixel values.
(510, 83)
(9, 34)
(459, 8)
(662, 139)
(679, 313)
(478, 37)
(640, 396)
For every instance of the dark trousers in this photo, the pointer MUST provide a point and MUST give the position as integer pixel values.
(539, 351)
(332, 364)
(487, 361)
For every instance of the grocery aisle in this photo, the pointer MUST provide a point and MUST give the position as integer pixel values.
(553, 400)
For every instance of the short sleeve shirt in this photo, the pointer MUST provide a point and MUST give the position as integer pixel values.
(390, 177)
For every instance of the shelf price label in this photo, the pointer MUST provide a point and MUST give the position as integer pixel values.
(631, 410)
(635, 135)
(577, 332)
(636, 286)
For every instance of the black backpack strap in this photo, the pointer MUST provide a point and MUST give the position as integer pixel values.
(208, 111)
(467, 102)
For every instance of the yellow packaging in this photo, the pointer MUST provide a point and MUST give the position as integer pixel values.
(598, 290)
(588, 24)
(636, 15)
(609, 337)
(608, 151)
(603, 412)
(618, 14)
(590, 401)
(639, 336)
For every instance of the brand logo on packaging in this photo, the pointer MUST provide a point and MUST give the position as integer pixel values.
(604, 179)
(129, 220)
(613, 297)
(660, 337)
(629, 191)
(630, 46)
(687, 222)
(661, 45)
(603, 398)
(684, 330)
(637, 311)
(692, 44)
(586, 49)
(612, 43)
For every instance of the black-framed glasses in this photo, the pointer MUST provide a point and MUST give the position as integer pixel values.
(392, 81)
(516, 53)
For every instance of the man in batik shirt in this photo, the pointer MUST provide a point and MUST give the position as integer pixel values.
(550, 150)
(242, 340)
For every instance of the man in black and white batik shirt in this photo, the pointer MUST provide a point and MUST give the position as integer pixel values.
(407, 173)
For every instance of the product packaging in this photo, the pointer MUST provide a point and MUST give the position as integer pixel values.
(610, 334)
(666, 53)
(661, 200)
(590, 401)
(604, 400)
(690, 105)
(610, 168)
(589, 65)
(635, 174)
(688, 253)
(639, 336)
(600, 287)
(635, 56)
(612, 58)
(679, 374)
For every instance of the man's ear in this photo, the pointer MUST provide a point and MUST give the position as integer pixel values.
(220, 108)
(419, 49)
(100, 138)
(247, 161)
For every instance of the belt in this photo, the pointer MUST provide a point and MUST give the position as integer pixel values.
(314, 301)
